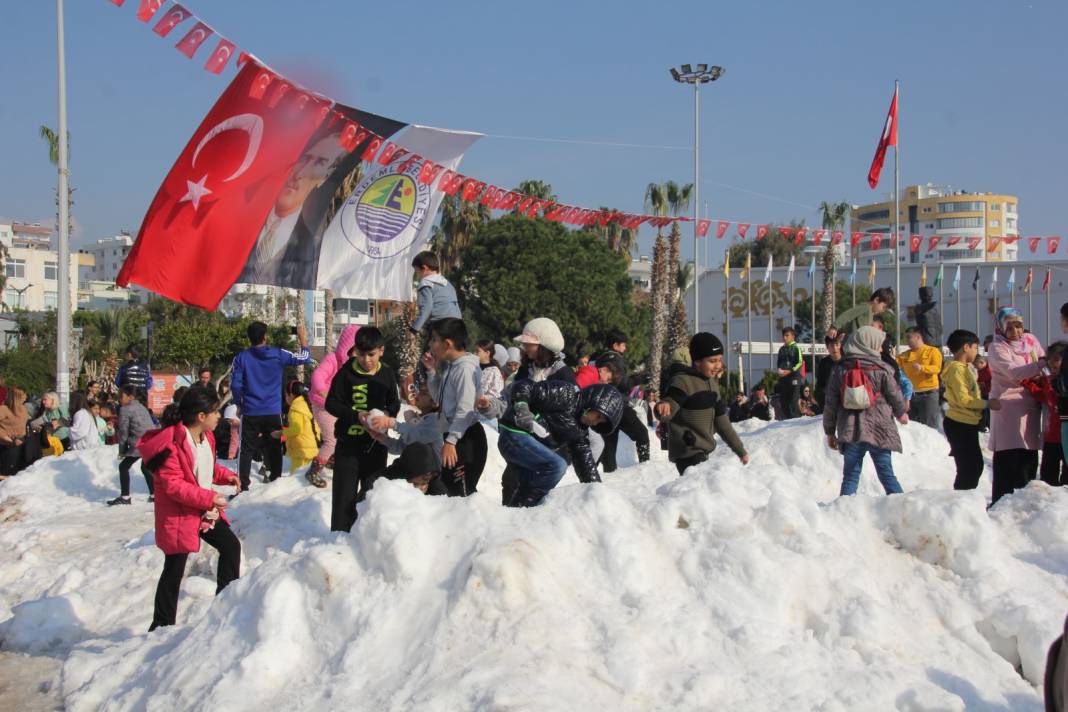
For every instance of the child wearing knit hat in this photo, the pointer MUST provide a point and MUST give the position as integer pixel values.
(693, 407)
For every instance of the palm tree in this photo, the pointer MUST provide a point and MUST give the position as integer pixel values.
(53, 143)
(109, 326)
(678, 199)
(834, 215)
(620, 240)
(536, 189)
(656, 204)
(459, 222)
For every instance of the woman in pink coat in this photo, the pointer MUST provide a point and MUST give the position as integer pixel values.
(320, 386)
(182, 457)
(1016, 429)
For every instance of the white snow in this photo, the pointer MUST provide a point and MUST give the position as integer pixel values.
(730, 588)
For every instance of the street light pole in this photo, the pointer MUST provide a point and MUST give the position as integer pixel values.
(702, 74)
(63, 273)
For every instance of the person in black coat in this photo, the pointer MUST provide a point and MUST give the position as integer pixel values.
(826, 366)
(544, 417)
(928, 318)
(631, 424)
(134, 373)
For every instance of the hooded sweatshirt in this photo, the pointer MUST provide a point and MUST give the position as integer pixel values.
(257, 379)
(455, 389)
(353, 391)
(328, 367)
(436, 299)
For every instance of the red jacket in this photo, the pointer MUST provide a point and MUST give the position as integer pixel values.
(1042, 391)
(984, 376)
(180, 500)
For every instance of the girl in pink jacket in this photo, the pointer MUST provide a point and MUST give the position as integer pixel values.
(320, 386)
(1016, 429)
(182, 457)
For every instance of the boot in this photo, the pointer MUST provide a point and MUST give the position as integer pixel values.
(313, 475)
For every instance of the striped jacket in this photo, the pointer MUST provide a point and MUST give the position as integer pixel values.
(697, 414)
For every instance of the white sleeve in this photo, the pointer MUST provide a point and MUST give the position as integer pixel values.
(230, 412)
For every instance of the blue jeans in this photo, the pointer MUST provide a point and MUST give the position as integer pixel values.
(854, 460)
(539, 468)
(1064, 439)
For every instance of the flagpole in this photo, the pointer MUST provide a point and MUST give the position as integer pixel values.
(1030, 304)
(957, 288)
(771, 315)
(978, 325)
(791, 288)
(727, 310)
(749, 321)
(854, 281)
(1049, 288)
(941, 290)
(63, 197)
(812, 288)
(897, 214)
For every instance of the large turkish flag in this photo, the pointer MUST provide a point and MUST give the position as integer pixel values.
(205, 218)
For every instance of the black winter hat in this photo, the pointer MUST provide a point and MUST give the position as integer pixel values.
(415, 460)
(703, 345)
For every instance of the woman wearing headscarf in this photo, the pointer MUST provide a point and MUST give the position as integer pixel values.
(1016, 429)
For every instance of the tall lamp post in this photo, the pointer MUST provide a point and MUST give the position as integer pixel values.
(701, 74)
(63, 308)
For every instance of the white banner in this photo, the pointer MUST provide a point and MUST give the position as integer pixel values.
(368, 248)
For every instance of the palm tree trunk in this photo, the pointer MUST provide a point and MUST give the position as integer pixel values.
(827, 298)
(660, 289)
(328, 319)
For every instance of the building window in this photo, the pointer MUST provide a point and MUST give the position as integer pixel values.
(51, 271)
(926, 210)
(1010, 207)
(930, 226)
(962, 207)
(320, 332)
(949, 255)
(11, 298)
(51, 300)
(995, 223)
(995, 206)
(948, 223)
(875, 215)
(1010, 223)
(15, 268)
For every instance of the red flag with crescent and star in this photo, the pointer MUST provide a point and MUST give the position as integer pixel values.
(1053, 244)
(220, 57)
(218, 194)
(886, 139)
(175, 16)
(702, 228)
(147, 9)
(742, 229)
(189, 44)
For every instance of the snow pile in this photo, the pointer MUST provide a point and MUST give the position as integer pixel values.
(732, 587)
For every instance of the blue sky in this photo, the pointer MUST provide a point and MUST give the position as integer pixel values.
(794, 120)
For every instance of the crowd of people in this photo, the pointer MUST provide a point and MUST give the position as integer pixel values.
(549, 413)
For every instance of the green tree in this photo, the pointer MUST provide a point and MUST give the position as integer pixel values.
(834, 215)
(571, 277)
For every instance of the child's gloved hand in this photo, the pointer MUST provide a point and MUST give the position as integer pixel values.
(524, 419)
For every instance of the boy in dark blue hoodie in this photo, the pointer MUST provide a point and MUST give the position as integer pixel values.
(256, 384)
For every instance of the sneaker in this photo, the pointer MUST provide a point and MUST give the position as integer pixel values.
(313, 476)
(118, 500)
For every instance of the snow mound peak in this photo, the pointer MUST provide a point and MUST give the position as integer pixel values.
(732, 587)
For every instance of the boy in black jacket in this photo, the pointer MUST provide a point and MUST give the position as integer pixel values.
(363, 384)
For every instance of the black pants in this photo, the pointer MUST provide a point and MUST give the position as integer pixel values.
(16, 458)
(471, 450)
(353, 477)
(225, 542)
(1013, 469)
(1053, 470)
(682, 464)
(256, 439)
(925, 408)
(635, 429)
(124, 475)
(789, 391)
(968, 456)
